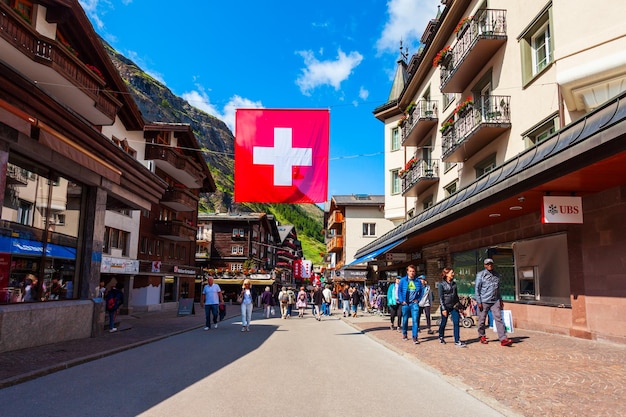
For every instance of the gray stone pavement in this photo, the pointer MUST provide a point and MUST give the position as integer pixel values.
(541, 374)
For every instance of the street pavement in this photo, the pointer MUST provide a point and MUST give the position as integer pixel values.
(541, 374)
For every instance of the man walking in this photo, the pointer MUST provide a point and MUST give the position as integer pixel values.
(489, 299)
(211, 299)
(409, 293)
(327, 293)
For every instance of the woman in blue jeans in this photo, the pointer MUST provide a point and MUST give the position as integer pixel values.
(449, 299)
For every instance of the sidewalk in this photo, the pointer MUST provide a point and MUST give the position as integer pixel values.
(541, 374)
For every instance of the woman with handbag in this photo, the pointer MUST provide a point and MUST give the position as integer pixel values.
(246, 305)
(449, 300)
(301, 302)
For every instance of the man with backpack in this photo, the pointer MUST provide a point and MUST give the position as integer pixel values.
(283, 299)
(114, 299)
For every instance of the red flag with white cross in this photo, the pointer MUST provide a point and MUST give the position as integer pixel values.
(281, 156)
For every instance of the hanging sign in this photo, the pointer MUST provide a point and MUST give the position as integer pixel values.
(562, 210)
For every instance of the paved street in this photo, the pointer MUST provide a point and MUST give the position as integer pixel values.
(295, 367)
(542, 374)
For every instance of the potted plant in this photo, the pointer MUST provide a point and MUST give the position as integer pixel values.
(447, 125)
(443, 57)
(464, 107)
(462, 26)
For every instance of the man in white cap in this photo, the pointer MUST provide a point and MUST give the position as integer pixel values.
(488, 298)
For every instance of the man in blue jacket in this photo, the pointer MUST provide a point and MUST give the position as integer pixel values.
(409, 293)
(488, 297)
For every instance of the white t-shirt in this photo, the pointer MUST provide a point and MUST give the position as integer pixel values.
(211, 294)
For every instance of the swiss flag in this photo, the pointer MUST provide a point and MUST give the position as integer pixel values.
(281, 156)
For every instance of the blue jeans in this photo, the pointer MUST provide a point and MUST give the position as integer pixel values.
(412, 309)
(246, 314)
(112, 315)
(326, 308)
(208, 310)
(455, 324)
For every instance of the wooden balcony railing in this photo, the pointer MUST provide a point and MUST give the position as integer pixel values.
(176, 160)
(179, 199)
(41, 50)
(175, 230)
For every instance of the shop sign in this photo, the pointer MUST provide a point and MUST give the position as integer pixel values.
(178, 270)
(396, 257)
(111, 265)
(562, 210)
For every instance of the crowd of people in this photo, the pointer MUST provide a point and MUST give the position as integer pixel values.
(406, 299)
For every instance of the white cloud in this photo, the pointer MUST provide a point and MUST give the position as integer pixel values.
(93, 8)
(318, 73)
(363, 93)
(407, 22)
(141, 63)
(201, 100)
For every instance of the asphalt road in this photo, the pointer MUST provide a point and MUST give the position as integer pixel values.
(294, 367)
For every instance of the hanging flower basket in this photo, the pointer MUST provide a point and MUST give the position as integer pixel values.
(447, 126)
(462, 26)
(463, 108)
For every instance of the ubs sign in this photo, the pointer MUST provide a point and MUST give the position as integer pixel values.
(562, 210)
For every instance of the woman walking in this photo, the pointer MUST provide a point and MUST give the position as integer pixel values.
(301, 302)
(246, 305)
(449, 299)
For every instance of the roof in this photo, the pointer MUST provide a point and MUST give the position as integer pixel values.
(358, 200)
(597, 136)
(284, 231)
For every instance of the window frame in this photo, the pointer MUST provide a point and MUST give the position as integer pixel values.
(450, 185)
(485, 166)
(396, 182)
(542, 23)
(395, 139)
(369, 229)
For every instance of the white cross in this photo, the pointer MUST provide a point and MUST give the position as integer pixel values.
(283, 156)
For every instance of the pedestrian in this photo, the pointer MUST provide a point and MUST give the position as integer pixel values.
(333, 303)
(211, 298)
(318, 298)
(489, 299)
(395, 308)
(266, 300)
(409, 293)
(425, 302)
(283, 299)
(292, 301)
(355, 300)
(345, 297)
(114, 300)
(449, 302)
(101, 291)
(246, 305)
(327, 294)
(301, 302)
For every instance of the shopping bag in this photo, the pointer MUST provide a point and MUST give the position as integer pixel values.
(507, 320)
(272, 311)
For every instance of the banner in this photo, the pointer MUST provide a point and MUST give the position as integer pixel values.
(281, 156)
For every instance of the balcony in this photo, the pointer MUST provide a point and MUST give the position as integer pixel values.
(16, 176)
(423, 118)
(175, 230)
(476, 128)
(179, 199)
(476, 44)
(335, 244)
(335, 219)
(56, 69)
(421, 176)
(175, 164)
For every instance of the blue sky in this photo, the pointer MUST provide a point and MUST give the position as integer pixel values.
(330, 54)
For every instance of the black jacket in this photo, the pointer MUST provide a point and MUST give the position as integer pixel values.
(448, 295)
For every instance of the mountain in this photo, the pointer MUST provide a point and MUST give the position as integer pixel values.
(157, 103)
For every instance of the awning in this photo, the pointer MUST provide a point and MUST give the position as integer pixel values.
(377, 252)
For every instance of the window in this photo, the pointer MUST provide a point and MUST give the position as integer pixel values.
(236, 250)
(395, 139)
(396, 184)
(541, 131)
(485, 166)
(116, 239)
(427, 203)
(369, 229)
(448, 98)
(236, 267)
(537, 45)
(25, 213)
(447, 166)
(143, 248)
(451, 188)
(238, 233)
